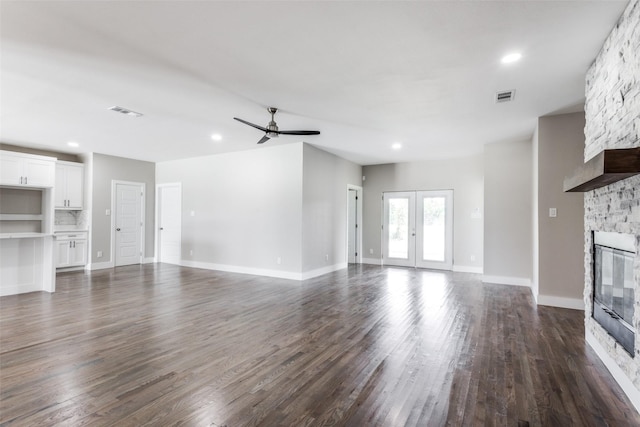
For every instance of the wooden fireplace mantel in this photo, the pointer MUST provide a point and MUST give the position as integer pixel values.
(605, 168)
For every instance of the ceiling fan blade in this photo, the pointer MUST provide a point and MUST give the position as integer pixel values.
(299, 132)
(264, 139)
(250, 124)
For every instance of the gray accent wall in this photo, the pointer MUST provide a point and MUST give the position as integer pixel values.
(324, 209)
(463, 175)
(560, 252)
(104, 169)
(508, 212)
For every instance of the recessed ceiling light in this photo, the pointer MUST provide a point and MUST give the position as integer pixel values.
(396, 146)
(216, 137)
(73, 144)
(512, 57)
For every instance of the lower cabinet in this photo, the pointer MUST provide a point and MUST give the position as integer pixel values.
(71, 249)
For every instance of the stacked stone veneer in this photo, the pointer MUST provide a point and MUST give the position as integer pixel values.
(612, 112)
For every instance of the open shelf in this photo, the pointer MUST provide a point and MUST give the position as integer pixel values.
(605, 168)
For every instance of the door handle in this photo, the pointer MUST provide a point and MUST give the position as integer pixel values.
(161, 228)
(117, 229)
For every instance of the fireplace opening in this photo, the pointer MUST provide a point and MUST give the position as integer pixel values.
(613, 296)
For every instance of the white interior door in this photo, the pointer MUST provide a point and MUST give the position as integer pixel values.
(417, 229)
(398, 230)
(128, 223)
(169, 236)
(434, 229)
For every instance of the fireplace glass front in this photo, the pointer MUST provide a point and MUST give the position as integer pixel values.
(614, 295)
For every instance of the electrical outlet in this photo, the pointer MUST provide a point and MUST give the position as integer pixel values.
(473, 257)
(107, 212)
(326, 257)
(279, 260)
(371, 251)
(191, 252)
(99, 255)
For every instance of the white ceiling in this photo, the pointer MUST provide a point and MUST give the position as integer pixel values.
(366, 74)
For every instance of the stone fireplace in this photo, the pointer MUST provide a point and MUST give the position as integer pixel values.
(612, 112)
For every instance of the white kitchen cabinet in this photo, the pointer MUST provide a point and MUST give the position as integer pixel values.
(71, 249)
(26, 170)
(69, 192)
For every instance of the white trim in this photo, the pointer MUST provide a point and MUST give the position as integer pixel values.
(505, 280)
(618, 374)
(321, 271)
(21, 289)
(372, 261)
(76, 268)
(467, 269)
(262, 271)
(562, 302)
(99, 265)
(149, 260)
(359, 201)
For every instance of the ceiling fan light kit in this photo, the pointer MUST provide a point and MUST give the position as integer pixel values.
(272, 131)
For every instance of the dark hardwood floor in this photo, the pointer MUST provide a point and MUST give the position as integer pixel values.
(162, 345)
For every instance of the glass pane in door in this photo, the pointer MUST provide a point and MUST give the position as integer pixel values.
(433, 222)
(398, 228)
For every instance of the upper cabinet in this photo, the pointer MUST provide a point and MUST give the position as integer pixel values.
(26, 170)
(69, 185)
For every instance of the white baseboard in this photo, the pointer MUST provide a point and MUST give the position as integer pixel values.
(242, 270)
(99, 265)
(148, 260)
(618, 374)
(19, 289)
(467, 269)
(372, 261)
(505, 280)
(562, 302)
(290, 275)
(324, 270)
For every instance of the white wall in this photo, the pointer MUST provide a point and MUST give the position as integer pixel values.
(463, 175)
(324, 210)
(508, 213)
(247, 209)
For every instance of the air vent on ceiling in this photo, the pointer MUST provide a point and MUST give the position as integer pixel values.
(125, 111)
(505, 95)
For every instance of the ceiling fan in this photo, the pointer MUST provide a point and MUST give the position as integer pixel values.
(272, 131)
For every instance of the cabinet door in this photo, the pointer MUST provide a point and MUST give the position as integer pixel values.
(61, 186)
(40, 173)
(11, 169)
(63, 253)
(78, 252)
(75, 187)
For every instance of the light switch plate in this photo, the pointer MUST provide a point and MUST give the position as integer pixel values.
(553, 212)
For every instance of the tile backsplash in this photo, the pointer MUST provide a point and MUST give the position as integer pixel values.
(77, 218)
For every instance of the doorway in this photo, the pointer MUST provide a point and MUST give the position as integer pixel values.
(127, 232)
(354, 219)
(169, 223)
(417, 229)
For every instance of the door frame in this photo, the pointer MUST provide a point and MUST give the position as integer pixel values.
(114, 183)
(417, 231)
(447, 264)
(157, 237)
(358, 190)
(411, 250)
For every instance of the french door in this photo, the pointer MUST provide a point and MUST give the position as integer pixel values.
(417, 229)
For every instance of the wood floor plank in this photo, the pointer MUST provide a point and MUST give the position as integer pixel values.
(166, 345)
